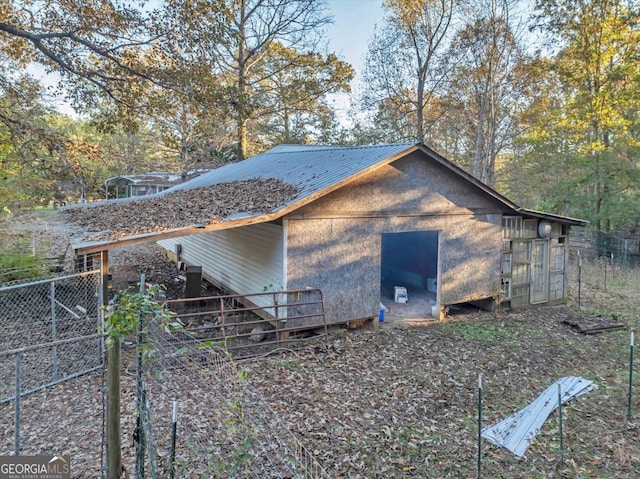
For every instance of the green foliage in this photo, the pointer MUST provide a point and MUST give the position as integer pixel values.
(483, 332)
(129, 308)
(18, 264)
(584, 133)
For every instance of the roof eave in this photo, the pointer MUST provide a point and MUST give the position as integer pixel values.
(553, 217)
(91, 247)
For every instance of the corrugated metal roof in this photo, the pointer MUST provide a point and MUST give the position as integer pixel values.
(517, 431)
(313, 169)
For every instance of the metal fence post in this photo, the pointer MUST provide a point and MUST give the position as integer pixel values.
(152, 454)
(54, 350)
(174, 429)
(140, 396)
(16, 432)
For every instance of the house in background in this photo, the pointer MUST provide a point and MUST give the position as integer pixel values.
(369, 220)
(125, 186)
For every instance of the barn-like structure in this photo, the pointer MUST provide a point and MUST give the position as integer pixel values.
(366, 223)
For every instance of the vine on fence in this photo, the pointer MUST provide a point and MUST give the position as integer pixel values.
(128, 308)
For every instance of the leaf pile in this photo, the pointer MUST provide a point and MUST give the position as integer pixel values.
(182, 208)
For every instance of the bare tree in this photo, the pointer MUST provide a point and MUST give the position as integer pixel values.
(492, 80)
(233, 37)
(406, 64)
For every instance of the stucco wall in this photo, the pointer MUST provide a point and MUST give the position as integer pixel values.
(335, 243)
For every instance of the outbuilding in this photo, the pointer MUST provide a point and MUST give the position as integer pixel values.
(371, 220)
(373, 225)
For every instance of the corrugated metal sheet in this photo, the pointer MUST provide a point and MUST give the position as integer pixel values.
(246, 260)
(310, 168)
(518, 430)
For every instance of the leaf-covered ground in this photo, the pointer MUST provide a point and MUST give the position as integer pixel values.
(401, 400)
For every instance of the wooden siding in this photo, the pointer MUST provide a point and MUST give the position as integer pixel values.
(334, 244)
(242, 260)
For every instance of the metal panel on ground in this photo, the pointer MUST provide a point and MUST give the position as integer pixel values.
(516, 432)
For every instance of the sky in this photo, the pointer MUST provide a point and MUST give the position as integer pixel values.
(348, 37)
(354, 21)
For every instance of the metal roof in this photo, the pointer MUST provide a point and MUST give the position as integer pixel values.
(516, 432)
(313, 169)
(316, 171)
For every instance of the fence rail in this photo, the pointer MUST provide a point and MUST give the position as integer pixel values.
(252, 324)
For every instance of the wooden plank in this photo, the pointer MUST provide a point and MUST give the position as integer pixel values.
(591, 328)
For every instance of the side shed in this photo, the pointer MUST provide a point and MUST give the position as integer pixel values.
(367, 220)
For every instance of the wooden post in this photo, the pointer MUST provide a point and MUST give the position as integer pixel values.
(579, 280)
(114, 453)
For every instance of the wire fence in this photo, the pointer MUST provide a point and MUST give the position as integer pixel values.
(50, 312)
(50, 334)
(602, 273)
(199, 417)
(622, 249)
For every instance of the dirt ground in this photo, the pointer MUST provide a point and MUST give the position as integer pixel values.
(401, 400)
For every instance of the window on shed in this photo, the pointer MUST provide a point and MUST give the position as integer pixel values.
(557, 269)
(505, 292)
(557, 258)
(520, 295)
(521, 273)
(556, 229)
(506, 263)
(530, 229)
(522, 252)
(511, 226)
(556, 286)
(521, 263)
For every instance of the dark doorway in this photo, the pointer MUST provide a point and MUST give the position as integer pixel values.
(410, 261)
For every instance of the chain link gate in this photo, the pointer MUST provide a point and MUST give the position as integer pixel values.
(50, 332)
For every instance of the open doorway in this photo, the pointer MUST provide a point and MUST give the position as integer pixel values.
(410, 261)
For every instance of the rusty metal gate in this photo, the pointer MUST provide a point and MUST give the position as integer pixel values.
(253, 324)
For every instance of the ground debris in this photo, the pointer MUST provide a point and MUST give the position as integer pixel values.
(595, 324)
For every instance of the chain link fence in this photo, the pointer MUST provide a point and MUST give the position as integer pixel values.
(616, 248)
(50, 333)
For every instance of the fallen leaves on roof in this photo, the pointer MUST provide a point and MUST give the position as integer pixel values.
(178, 209)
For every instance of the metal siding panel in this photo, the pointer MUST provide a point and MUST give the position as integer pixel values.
(245, 260)
(285, 245)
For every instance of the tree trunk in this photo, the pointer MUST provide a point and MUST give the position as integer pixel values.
(242, 138)
(479, 154)
(420, 110)
(242, 86)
